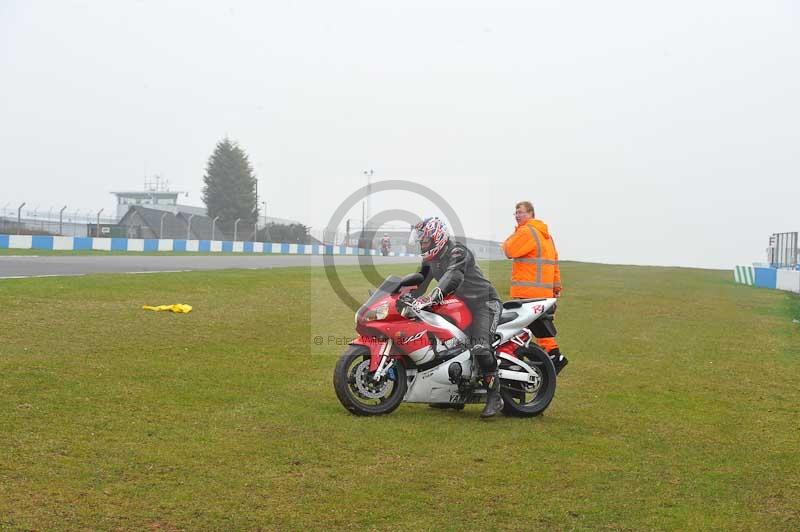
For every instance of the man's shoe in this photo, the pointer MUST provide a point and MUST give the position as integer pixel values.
(494, 404)
(559, 360)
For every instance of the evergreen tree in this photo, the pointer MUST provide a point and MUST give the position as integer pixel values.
(230, 186)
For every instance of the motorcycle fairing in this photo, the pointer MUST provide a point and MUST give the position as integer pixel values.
(433, 385)
(522, 316)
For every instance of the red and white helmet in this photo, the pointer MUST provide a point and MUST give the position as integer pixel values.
(432, 237)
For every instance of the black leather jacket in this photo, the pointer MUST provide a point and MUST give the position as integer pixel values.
(458, 274)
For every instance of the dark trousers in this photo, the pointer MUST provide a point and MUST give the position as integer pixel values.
(485, 315)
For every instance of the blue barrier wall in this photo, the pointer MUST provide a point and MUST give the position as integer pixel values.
(153, 245)
(766, 278)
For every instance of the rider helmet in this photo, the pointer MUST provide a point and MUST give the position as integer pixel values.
(432, 236)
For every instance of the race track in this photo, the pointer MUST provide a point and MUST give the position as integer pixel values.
(22, 266)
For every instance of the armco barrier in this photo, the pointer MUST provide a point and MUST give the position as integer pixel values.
(69, 243)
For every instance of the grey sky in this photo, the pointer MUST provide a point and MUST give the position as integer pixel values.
(644, 133)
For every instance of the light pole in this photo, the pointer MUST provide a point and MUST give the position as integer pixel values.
(236, 228)
(19, 217)
(213, 226)
(61, 220)
(161, 229)
(189, 228)
(97, 228)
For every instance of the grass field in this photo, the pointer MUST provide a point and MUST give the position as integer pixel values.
(679, 410)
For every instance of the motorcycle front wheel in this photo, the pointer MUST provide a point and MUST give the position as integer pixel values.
(359, 392)
(529, 399)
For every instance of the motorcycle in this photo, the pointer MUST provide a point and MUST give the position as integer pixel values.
(415, 354)
(385, 249)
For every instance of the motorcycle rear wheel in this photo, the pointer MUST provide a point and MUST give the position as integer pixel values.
(356, 390)
(525, 400)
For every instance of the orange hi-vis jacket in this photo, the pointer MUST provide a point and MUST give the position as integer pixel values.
(535, 271)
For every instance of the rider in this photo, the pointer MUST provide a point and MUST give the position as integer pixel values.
(454, 267)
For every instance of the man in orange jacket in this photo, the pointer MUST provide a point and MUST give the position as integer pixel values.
(535, 272)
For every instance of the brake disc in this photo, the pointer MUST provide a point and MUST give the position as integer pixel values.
(365, 386)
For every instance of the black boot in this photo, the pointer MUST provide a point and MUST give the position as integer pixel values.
(559, 360)
(494, 403)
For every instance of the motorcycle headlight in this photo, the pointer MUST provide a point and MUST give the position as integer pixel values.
(378, 313)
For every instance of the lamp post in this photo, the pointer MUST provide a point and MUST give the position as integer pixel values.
(61, 220)
(97, 228)
(213, 226)
(161, 229)
(19, 217)
(189, 228)
(236, 228)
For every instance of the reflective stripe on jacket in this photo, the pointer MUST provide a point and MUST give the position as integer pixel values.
(535, 272)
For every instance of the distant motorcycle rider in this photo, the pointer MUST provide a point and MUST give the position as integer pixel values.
(453, 265)
(386, 244)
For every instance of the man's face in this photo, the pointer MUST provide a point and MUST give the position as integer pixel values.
(522, 215)
(425, 244)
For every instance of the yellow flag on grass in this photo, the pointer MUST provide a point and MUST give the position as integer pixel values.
(180, 308)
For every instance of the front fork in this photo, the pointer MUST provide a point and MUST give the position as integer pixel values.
(379, 361)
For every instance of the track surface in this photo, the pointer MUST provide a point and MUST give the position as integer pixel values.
(20, 266)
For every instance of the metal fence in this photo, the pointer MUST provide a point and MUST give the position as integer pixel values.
(783, 250)
(18, 220)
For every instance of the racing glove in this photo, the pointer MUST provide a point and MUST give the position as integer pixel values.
(434, 298)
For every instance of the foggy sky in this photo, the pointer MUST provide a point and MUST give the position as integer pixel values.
(643, 133)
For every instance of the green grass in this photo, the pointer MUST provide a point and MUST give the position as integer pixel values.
(679, 410)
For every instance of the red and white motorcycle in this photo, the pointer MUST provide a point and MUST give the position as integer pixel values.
(419, 355)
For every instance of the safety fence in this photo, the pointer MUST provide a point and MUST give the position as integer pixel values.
(69, 243)
(764, 277)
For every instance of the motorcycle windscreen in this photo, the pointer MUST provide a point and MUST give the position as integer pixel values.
(389, 286)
